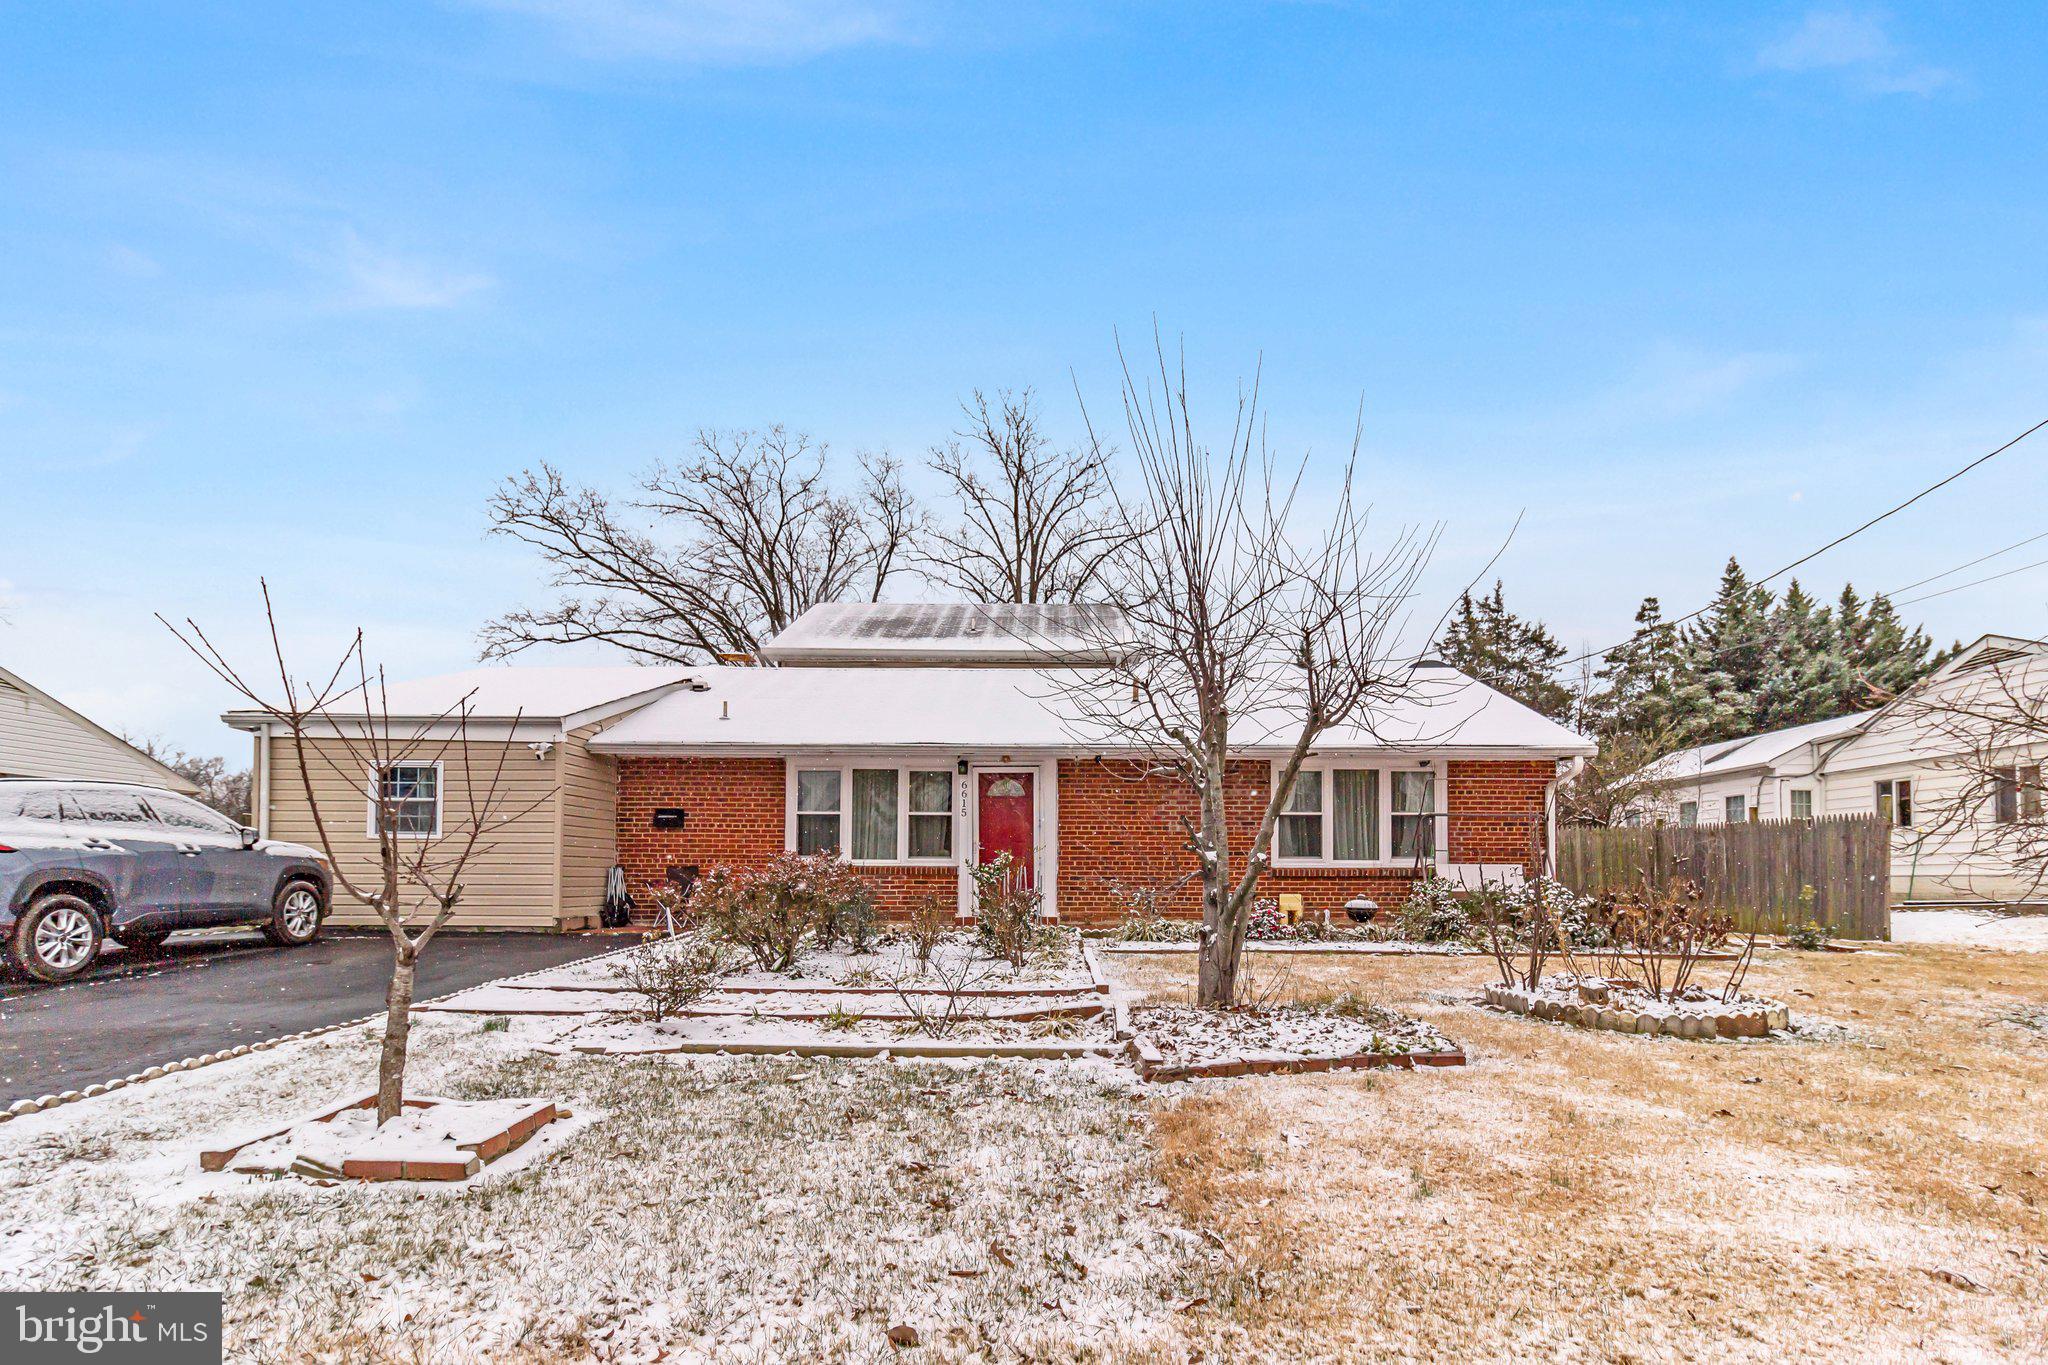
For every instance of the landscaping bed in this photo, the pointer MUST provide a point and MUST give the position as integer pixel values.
(433, 1139)
(1182, 1042)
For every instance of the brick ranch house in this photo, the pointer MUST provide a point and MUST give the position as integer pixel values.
(915, 740)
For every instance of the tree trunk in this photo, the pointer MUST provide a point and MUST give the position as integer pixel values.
(1222, 925)
(397, 1033)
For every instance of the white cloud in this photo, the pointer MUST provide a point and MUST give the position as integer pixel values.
(377, 278)
(126, 260)
(1856, 46)
(734, 31)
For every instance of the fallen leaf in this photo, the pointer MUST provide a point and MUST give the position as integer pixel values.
(1958, 1279)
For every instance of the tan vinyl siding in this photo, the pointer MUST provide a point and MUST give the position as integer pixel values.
(588, 819)
(38, 740)
(512, 882)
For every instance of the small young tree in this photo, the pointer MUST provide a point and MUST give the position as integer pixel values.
(1240, 626)
(341, 727)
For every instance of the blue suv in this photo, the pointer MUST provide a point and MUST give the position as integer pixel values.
(85, 861)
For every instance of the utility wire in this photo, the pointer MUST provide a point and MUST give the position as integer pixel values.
(1816, 554)
(1992, 578)
(1931, 578)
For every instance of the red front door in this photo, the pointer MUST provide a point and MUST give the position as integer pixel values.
(1004, 820)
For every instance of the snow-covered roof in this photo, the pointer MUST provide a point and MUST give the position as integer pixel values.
(908, 633)
(528, 692)
(1750, 752)
(959, 709)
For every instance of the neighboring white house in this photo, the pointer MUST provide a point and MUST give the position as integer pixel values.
(42, 737)
(1894, 761)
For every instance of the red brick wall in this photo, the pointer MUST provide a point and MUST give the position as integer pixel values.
(1110, 828)
(736, 819)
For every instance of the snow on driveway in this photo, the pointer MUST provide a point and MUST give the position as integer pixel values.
(1972, 929)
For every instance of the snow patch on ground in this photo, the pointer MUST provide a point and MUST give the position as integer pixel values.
(1188, 1036)
(1972, 929)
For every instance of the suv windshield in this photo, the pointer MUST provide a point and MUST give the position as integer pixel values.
(179, 813)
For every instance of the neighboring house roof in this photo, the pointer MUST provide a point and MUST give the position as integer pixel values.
(911, 633)
(570, 694)
(42, 737)
(1751, 753)
(950, 709)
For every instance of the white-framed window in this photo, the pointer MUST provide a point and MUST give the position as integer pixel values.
(2017, 795)
(1688, 812)
(1348, 813)
(412, 794)
(1731, 809)
(872, 812)
(1802, 803)
(1895, 801)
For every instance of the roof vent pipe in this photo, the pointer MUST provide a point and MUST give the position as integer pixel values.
(725, 710)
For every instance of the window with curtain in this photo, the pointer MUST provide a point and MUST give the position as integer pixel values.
(931, 815)
(1688, 812)
(1414, 816)
(1895, 801)
(817, 811)
(1301, 820)
(874, 814)
(1731, 809)
(1354, 814)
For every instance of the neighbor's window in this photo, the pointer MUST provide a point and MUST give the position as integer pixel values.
(2017, 795)
(1688, 812)
(1414, 815)
(817, 810)
(875, 814)
(1731, 810)
(931, 814)
(1802, 803)
(1895, 801)
(1301, 823)
(411, 797)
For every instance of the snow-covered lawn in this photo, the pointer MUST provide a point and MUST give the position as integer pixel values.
(1972, 929)
(736, 1208)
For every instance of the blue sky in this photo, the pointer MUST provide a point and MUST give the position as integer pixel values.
(285, 290)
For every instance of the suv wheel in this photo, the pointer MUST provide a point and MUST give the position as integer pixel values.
(295, 915)
(56, 938)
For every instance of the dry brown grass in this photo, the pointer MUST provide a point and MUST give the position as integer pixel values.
(1591, 1195)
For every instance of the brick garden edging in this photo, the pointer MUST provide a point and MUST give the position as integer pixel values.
(1152, 1065)
(1727, 1021)
(481, 1151)
(23, 1108)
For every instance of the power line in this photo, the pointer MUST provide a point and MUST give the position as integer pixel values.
(1992, 578)
(1960, 567)
(1847, 535)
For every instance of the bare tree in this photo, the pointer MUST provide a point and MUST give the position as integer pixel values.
(341, 728)
(1623, 782)
(711, 556)
(1242, 630)
(224, 789)
(1989, 724)
(1037, 522)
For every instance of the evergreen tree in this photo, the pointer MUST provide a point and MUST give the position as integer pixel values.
(1517, 655)
(1729, 656)
(1809, 678)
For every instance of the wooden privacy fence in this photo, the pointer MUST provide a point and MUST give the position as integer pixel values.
(1754, 871)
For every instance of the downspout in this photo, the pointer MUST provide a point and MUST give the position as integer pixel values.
(260, 796)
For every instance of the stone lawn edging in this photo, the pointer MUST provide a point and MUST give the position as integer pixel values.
(1752, 1019)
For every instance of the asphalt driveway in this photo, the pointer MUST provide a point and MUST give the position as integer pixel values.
(204, 994)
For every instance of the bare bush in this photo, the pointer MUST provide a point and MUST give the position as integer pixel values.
(931, 919)
(1006, 910)
(670, 973)
(941, 998)
(775, 910)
